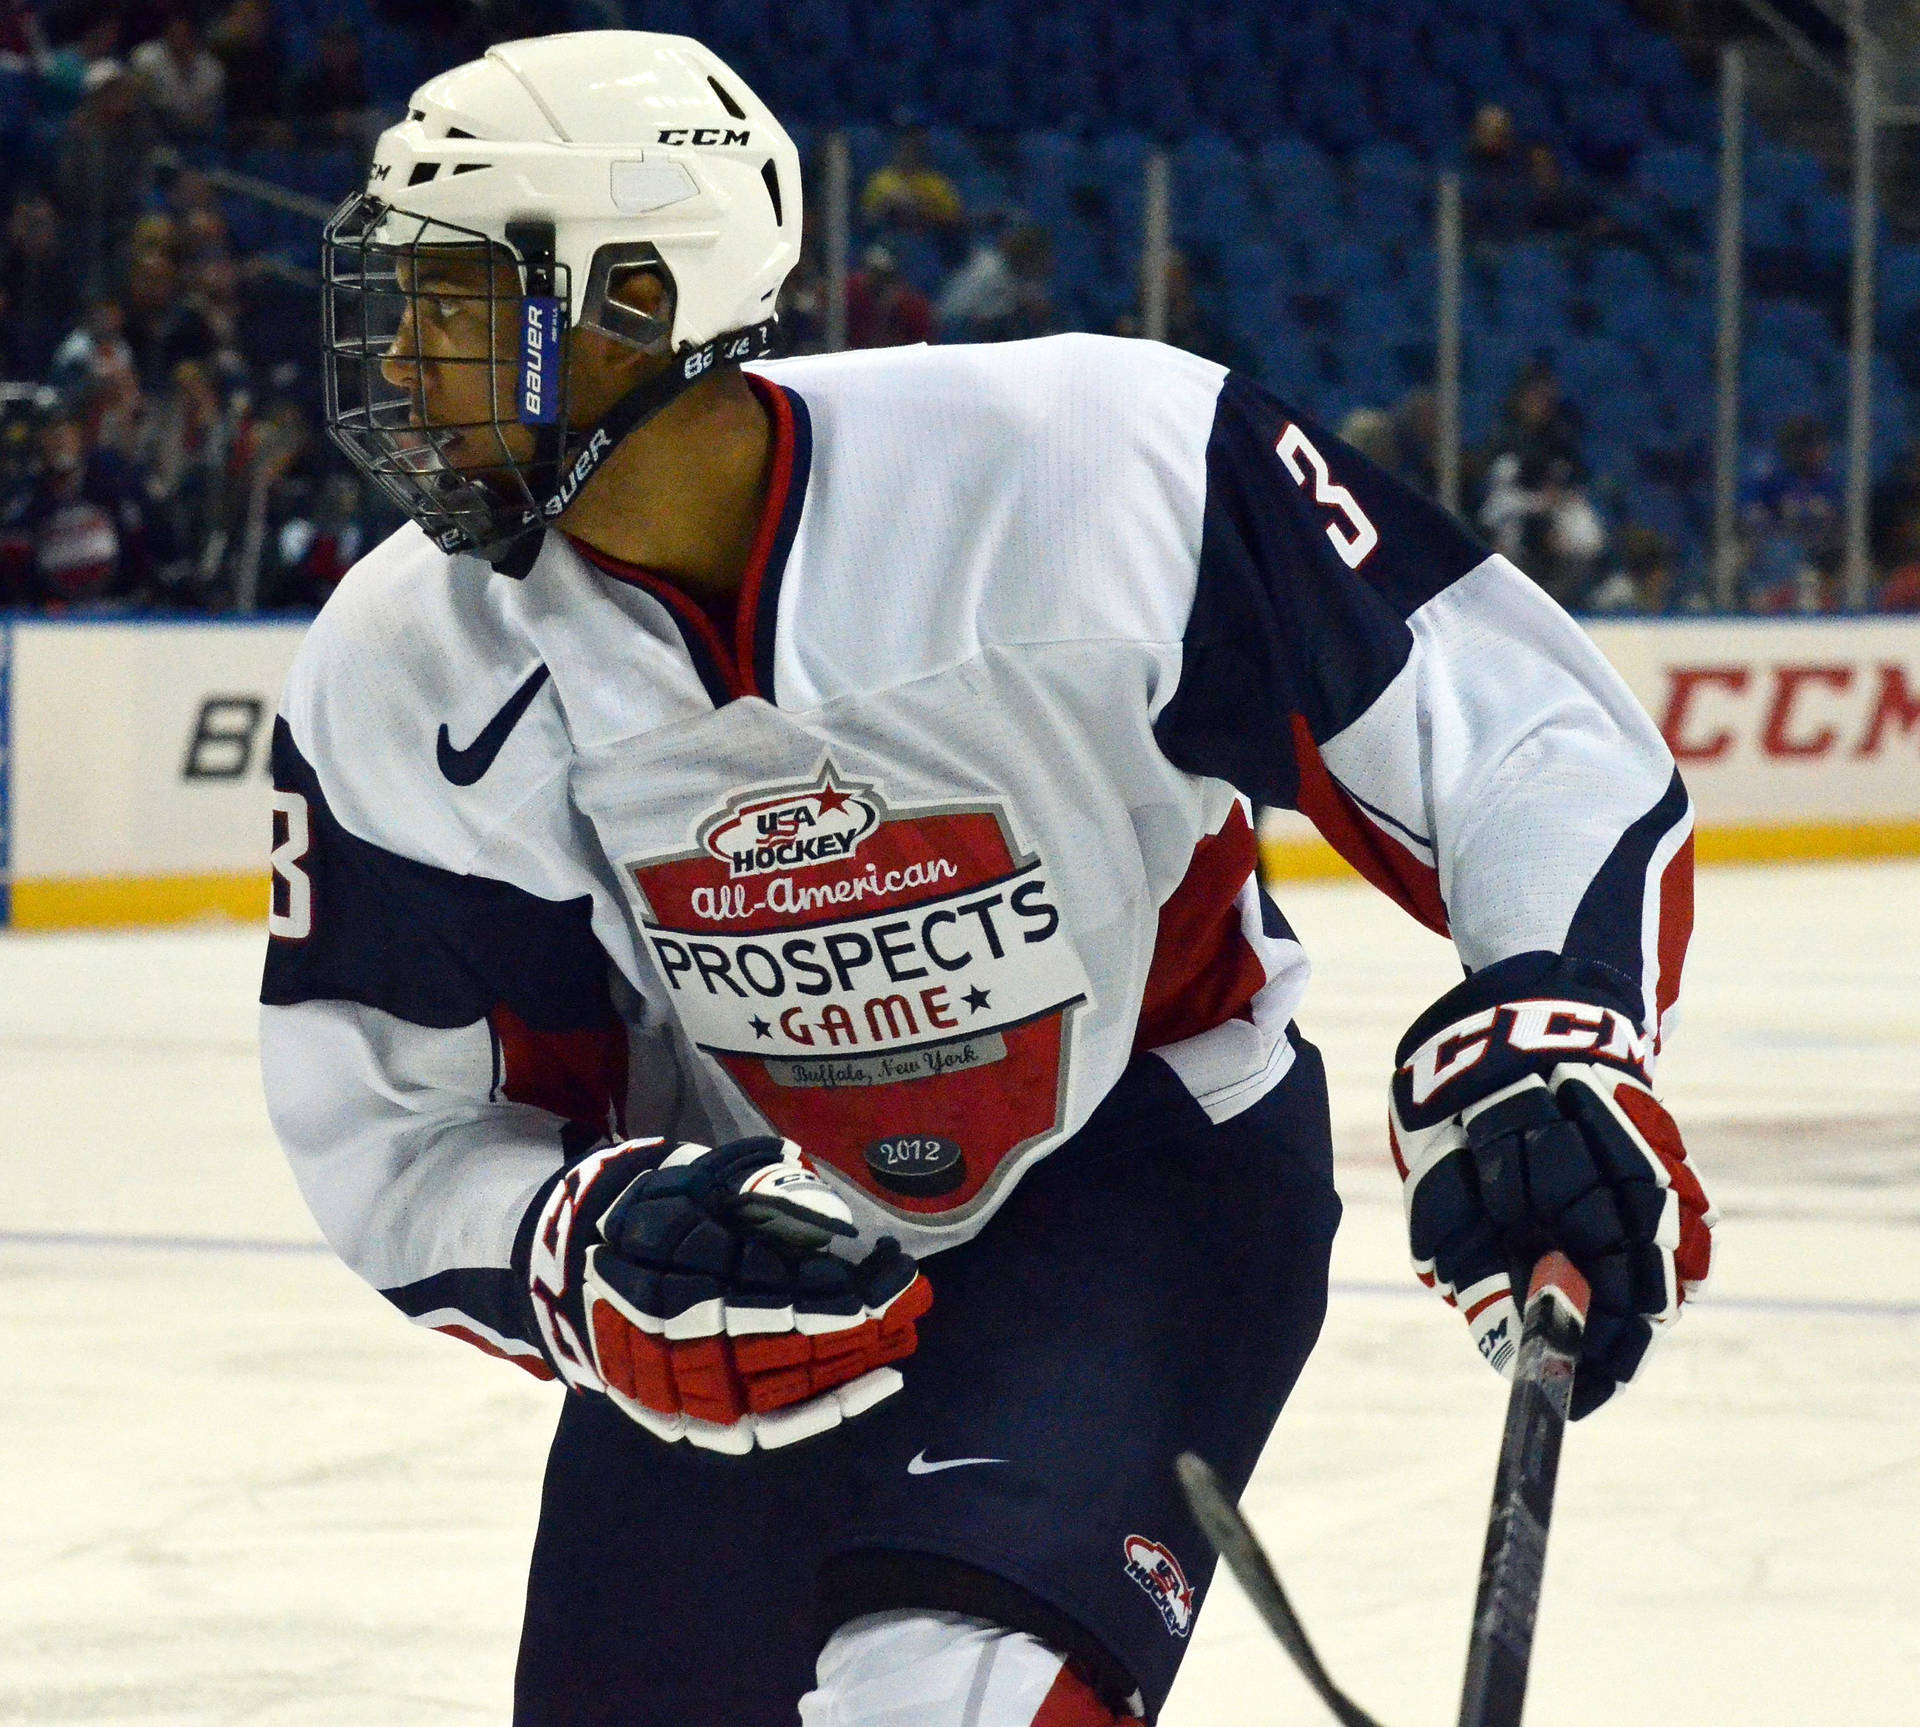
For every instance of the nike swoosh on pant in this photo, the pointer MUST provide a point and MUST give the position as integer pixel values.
(920, 1466)
(466, 767)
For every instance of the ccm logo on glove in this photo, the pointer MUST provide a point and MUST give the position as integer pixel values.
(1531, 1028)
(695, 1288)
(1515, 1133)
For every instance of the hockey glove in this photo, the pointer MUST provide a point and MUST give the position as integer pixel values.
(693, 1287)
(1522, 1121)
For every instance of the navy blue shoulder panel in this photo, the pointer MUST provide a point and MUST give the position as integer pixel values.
(1311, 561)
(427, 945)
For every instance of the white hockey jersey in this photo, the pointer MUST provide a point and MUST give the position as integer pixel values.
(938, 846)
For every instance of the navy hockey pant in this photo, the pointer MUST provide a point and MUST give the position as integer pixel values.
(1153, 1286)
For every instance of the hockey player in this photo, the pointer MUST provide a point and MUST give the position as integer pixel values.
(846, 764)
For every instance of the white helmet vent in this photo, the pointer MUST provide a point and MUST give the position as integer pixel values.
(726, 101)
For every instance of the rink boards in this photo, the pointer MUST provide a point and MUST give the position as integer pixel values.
(133, 755)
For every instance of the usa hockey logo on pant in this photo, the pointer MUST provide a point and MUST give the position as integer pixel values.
(1151, 1564)
(874, 979)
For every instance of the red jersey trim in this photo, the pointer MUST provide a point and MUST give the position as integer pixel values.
(1377, 855)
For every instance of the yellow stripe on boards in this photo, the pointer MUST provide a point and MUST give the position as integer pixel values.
(123, 901)
(108, 902)
(1790, 842)
(1806, 842)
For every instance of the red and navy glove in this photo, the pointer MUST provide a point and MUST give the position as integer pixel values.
(1522, 1121)
(693, 1286)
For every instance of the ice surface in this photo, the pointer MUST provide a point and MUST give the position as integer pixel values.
(235, 1488)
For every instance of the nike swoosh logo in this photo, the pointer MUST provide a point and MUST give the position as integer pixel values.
(466, 767)
(920, 1466)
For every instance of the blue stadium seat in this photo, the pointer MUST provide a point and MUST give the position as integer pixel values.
(1298, 179)
(1472, 51)
(978, 35)
(1381, 316)
(1767, 222)
(1563, 58)
(1678, 176)
(1827, 226)
(1793, 176)
(1793, 326)
(1643, 57)
(1334, 266)
(1660, 508)
(1425, 113)
(1686, 114)
(1533, 272)
(1775, 384)
(1333, 110)
(1608, 127)
(1899, 280)
(739, 28)
(901, 34)
(1621, 273)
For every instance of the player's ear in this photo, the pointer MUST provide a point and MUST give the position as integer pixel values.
(601, 367)
(641, 288)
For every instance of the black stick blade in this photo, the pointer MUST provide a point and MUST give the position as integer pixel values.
(1220, 1521)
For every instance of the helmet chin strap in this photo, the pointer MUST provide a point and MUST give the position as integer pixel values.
(513, 553)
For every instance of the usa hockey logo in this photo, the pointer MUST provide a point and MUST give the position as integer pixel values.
(1155, 1569)
(820, 824)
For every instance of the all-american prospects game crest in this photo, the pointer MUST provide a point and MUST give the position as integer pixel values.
(893, 989)
(1155, 1569)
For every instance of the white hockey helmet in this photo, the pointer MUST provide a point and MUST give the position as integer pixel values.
(578, 158)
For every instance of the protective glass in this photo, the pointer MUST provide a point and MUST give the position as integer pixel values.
(444, 376)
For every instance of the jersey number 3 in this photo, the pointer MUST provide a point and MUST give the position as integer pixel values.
(290, 911)
(1294, 449)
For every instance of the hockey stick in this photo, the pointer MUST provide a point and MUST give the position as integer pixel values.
(1220, 1521)
(1516, 1550)
(1510, 1569)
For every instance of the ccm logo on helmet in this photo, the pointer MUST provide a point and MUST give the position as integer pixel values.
(700, 135)
(1534, 1028)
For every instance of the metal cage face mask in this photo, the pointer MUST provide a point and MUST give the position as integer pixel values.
(444, 376)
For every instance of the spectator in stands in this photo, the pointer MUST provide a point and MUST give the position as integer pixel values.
(1000, 294)
(1642, 580)
(1790, 514)
(95, 350)
(1370, 431)
(884, 309)
(1896, 514)
(84, 34)
(1536, 509)
(38, 279)
(804, 297)
(247, 40)
(329, 100)
(185, 84)
(83, 523)
(214, 297)
(1190, 323)
(189, 463)
(1555, 206)
(909, 192)
(1497, 187)
(1416, 437)
(163, 327)
(102, 178)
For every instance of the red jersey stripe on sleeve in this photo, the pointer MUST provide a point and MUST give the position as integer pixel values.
(1376, 854)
